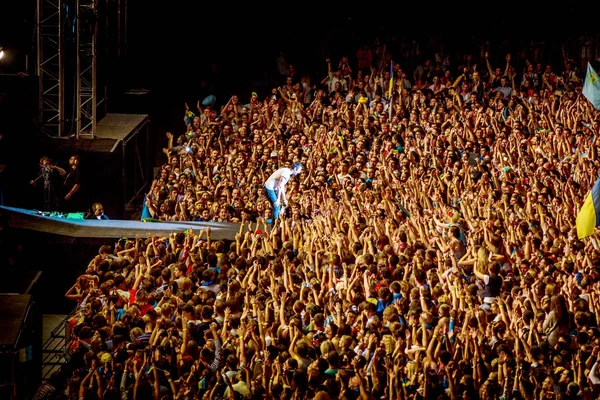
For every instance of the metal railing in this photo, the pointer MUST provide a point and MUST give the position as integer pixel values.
(54, 350)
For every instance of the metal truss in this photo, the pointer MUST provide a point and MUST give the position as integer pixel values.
(87, 101)
(50, 66)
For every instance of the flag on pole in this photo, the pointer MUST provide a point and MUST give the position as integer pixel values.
(391, 103)
(591, 87)
(391, 79)
(589, 216)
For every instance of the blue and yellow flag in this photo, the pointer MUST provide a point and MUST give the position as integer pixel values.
(591, 87)
(589, 216)
(391, 79)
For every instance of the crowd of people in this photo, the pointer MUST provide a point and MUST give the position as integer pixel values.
(426, 247)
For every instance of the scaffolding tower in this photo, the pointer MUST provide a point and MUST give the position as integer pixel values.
(50, 66)
(67, 47)
(87, 99)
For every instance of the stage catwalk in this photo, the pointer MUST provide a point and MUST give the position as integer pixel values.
(91, 228)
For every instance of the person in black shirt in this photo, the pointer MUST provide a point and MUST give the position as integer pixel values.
(97, 212)
(71, 185)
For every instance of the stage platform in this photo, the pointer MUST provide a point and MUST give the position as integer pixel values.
(119, 126)
(119, 153)
(91, 228)
(111, 131)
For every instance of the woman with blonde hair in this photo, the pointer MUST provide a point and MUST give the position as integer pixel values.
(558, 321)
(327, 346)
(492, 280)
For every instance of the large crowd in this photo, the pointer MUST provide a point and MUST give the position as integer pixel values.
(427, 249)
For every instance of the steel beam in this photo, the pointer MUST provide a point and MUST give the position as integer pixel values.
(86, 41)
(50, 66)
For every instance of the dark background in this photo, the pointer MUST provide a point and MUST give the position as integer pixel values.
(175, 46)
(182, 51)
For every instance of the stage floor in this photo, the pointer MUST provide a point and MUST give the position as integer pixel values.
(91, 228)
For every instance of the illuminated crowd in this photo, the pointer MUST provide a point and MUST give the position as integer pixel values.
(428, 249)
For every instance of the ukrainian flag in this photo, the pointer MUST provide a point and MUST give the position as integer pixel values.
(391, 88)
(591, 87)
(589, 215)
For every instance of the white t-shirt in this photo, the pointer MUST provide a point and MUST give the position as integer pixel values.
(278, 178)
(435, 88)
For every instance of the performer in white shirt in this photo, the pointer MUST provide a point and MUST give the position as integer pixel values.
(275, 186)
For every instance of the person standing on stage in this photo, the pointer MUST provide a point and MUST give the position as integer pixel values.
(71, 185)
(275, 186)
(48, 176)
